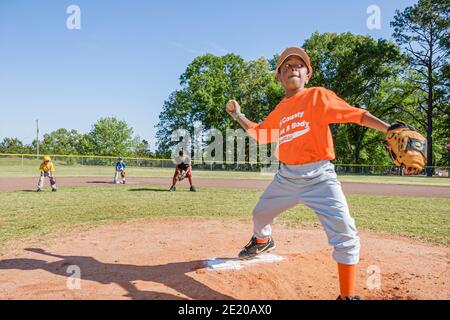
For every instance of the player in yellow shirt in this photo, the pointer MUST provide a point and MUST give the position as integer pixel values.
(47, 170)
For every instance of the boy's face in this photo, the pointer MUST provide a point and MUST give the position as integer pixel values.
(293, 73)
(46, 161)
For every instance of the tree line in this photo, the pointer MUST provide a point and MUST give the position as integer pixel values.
(407, 79)
(107, 137)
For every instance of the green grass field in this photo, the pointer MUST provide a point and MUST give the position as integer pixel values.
(12, 167)
(45, 215)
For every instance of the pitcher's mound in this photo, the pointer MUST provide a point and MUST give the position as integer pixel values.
(172, 259)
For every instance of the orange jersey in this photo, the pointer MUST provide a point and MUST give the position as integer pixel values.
(300, 125)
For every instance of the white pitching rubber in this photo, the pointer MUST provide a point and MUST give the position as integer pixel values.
(237, 264)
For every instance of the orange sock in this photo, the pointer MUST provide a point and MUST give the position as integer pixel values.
(347, 279)
(262, 241)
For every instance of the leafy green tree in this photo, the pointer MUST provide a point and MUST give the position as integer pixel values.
(364, 72)
(273, 62)
(111, 137)
(442, 128)
(141, 148)
(423, 32)
(61, 141)
(85, 144)
(177, 113)
(259, 91)
(14, 145)
(210, 82)
(207, 85)
(108, 137)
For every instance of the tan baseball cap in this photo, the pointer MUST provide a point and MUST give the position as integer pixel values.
(295, 51)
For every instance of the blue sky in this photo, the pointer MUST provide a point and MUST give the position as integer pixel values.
(128, 55)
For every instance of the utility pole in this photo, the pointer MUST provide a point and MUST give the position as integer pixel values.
(448, 149)
(37, 139)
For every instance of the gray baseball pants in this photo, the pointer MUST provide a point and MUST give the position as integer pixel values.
(316, 186)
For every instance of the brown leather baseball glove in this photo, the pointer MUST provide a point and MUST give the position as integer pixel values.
(407, 147)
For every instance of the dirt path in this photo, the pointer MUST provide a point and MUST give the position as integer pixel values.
(149, 260)
(14, 184)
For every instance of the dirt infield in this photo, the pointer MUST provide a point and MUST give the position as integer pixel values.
(147, 260)
(14, 184)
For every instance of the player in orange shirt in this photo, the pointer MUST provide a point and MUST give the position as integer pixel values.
(300, 125)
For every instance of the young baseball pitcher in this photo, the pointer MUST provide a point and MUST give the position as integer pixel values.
(120, 171)
(47, 170)
(300, 126)
(182, 170)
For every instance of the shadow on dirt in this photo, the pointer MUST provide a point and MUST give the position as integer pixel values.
(172, 275)
(100, 182)
(149, 189)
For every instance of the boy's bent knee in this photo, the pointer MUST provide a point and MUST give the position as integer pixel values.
(347, 250)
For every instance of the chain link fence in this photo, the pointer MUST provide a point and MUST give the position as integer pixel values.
(28, 160)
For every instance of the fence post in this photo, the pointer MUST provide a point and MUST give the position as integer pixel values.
(22, 161)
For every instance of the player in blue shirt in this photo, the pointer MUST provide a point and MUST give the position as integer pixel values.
(120, 172)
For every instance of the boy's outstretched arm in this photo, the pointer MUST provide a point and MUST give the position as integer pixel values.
(404, 144)
(373, 122)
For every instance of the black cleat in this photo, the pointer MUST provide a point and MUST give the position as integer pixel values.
(53, 190)
(172, 189)
(349, 298)
(252, 249)
(193, 189)
(38, 190)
